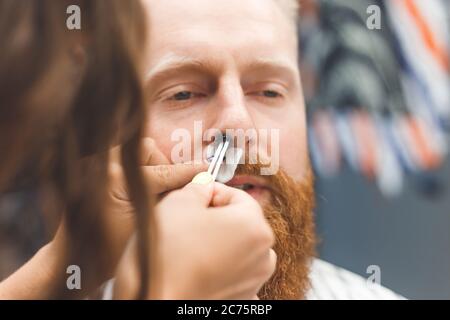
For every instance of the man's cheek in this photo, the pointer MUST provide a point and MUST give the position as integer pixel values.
(293, 153)
(161, 138)
(178, 146)
(171, 150)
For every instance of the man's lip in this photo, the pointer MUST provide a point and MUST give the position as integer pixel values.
(239, 180)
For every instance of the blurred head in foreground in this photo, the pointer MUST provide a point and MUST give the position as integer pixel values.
(66, 97)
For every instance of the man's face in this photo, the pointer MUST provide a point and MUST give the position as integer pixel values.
(233, 65)
(229, 64)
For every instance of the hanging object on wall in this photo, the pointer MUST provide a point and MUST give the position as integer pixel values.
(378, 99)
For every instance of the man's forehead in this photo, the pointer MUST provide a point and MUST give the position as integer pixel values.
(196, 36)
(191, 24)
(216, 10)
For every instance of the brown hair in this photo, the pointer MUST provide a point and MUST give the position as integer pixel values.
(66, 97)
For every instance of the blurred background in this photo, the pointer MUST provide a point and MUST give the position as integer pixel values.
(377, 83)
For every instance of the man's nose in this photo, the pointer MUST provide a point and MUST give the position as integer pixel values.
(230, 107)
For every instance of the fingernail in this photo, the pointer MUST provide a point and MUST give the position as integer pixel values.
(202, 178)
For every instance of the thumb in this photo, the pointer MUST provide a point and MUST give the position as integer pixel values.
(201, 194)
(165, 178)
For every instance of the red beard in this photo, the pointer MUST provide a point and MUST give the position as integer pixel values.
(290, 214)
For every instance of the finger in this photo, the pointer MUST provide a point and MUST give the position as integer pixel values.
(247, 295)
(150, 154)
(272, 261)
(114, 155)
(164, 178)
(199, 194)
(192, 195)
(225, 195)
(269, 263)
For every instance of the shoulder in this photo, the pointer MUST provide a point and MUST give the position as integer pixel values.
(329, 282)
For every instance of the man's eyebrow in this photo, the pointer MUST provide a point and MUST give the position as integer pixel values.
(173, 63)
(278, 65)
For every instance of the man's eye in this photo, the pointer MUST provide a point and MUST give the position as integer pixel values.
(271, 94)
(183, 95)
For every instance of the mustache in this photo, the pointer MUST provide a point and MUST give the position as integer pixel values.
(250, 169)
(278, 181)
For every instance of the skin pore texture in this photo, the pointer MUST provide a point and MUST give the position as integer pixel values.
(233, 65)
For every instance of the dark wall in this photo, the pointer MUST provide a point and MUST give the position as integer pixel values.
(407, 236)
